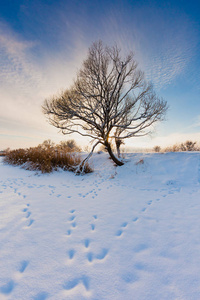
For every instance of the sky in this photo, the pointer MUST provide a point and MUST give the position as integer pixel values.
(43, 45)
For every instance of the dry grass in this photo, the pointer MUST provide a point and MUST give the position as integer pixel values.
(45, 159)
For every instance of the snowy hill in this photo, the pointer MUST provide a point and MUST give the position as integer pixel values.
(131, 232)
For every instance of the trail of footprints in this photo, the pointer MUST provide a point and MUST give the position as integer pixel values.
(28, 214)
(90, 256)
(8, 287)
(124, 225)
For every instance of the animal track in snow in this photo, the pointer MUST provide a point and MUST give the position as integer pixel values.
(7, 288)
(71, 218)
(87, 243)
(30, 222)
(71, 253)
(74, 282)
(28, 214)
(124, 224)
(41, 296)
(69, 232)
(140, 247)
(129, 277)
(99, 256)
(23, 266)
(120, 231)
(92, 227)
(73, 224)
(102, 254)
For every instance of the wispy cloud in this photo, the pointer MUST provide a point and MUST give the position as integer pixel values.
(164, 44)
(25, 81)
(17, 69)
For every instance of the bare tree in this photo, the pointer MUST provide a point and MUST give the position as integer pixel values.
(109, 99)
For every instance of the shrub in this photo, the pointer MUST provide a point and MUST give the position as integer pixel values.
(45, 158)
(69, 146)
(157, 149)
(187, 146)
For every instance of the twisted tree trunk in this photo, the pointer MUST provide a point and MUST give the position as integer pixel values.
(112, 156)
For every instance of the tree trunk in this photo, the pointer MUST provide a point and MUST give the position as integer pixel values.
(112, 156)
(118, 150)
(118, 143)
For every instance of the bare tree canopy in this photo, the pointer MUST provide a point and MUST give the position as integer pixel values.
(109, 100)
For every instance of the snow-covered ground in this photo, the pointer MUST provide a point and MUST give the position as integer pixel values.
(131, 232)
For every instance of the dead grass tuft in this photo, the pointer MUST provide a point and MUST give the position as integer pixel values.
(45, 159)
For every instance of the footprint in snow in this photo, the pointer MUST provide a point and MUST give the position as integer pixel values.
(99, 256)
(140, 247)
(28, 214)
(41, 296)
(75, 282)
(129, 277)
(124, 224)
(23, 266)
(30, 222)
(68, 232)
(87, 243)
(71, 218)
(120, 231)
(73, 224)
(92, 227)
(71, 253)
(7, 288)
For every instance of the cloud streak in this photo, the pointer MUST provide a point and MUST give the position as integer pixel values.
(164, 43)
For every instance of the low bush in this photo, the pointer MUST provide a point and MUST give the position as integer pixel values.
(46, 159)
(157, 149)
(187, 146)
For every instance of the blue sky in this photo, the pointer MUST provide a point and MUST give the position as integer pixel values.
(43, 43)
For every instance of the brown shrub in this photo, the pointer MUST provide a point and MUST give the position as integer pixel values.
(45, 159)
(187, 146)
(157, 149)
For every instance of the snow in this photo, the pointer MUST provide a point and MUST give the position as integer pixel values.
(130, 232)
